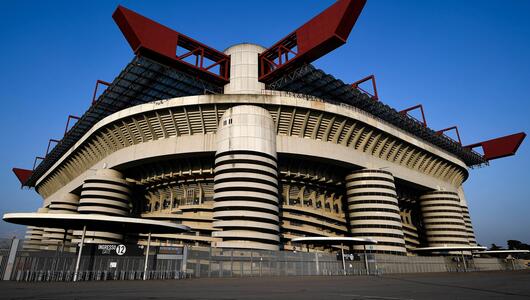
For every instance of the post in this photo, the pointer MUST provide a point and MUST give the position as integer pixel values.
(79, 254)
(316, 262)
(343, 262)
(464, 261)
(366, 261)
(11, 259)
(147, 255)
(64, 240)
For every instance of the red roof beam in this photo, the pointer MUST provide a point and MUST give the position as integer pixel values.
(155, 41)
(440, 132)
(319, 36)
(357, 84)
(98, 82)
(35, 161)
(49, 144)
(500, 147)
(22, 175)
(68, 122)
(420, 107)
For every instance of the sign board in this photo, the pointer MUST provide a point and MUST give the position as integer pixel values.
(170, 250)
(113, 250)
(348, 256)
(113, 264)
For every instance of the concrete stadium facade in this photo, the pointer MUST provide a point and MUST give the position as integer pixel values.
(253, 168)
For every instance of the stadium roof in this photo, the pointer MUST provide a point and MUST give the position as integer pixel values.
(143, 80)
(311, 81)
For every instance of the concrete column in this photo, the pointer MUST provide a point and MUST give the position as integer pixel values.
(443, 220)
(244, 69)
(107, 193)
(11, 259)
(373, 210)
(246, 180)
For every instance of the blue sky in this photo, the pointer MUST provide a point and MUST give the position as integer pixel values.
(467, 62)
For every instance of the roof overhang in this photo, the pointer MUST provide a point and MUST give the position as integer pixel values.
(503, 251)
(94, 222)
(449, 248)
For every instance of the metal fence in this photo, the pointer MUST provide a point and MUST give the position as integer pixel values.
(216, 262)
(184, 262)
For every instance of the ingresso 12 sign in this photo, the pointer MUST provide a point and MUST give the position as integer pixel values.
(113, 249)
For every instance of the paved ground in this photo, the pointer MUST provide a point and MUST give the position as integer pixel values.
(479, 285)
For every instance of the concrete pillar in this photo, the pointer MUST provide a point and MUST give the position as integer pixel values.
(246, 180)
(107, 193)
(443, 220)
(373, 210)
(244, 69)
(11, 259)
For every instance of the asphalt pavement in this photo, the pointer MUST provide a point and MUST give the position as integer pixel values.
(476, 285)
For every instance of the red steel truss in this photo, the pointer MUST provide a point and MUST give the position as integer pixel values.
(153, 40)
(420, 107)
(68, 122)
(98, 82)
(49, 144)
(35, 161)
(321, 35)
(371, 78)
(500, 147)
(22, 175)
(440, 132)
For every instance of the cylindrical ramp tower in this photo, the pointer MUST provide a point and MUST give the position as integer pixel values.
(246, 180)
(105, 193)
(66, 204)
(34, 235)
(442, 219)
(467, 218)
(373, 210)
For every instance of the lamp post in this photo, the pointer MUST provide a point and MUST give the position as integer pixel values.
(79, 254)
(147, 255)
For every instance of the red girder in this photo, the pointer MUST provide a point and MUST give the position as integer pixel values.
(440, 132)
(35, 161)
(68, 122)
(500, 147)
(98, 82)
(321, 35)
(357, 83)
(49, 143)
(23, 175)
(419, 106)
(153, 40)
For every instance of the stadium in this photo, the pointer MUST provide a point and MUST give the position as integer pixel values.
(252, 147)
